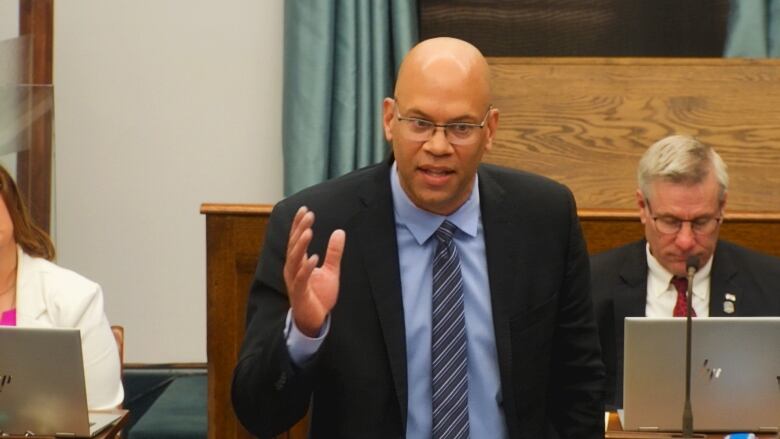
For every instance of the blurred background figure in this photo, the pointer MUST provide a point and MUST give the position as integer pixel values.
(34, 292)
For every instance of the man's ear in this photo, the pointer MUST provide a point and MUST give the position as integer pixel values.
(491, 125)
(388, 117)
(641, 203)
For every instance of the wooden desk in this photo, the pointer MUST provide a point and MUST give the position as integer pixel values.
(112, 432)
(615, 432)
(115, 429)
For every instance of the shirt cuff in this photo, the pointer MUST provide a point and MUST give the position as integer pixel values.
(300, 346)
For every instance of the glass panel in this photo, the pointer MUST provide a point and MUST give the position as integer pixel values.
(21, 103)
(26, 120)
(20, 107)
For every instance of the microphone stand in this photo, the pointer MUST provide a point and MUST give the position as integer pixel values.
(687, 421)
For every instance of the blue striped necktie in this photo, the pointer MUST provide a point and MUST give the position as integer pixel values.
(449, 371)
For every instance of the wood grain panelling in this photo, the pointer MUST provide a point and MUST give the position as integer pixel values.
(605, 229)
(36, 18)
(586, 121)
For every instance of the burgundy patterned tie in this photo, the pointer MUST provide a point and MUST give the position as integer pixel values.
(681, 307)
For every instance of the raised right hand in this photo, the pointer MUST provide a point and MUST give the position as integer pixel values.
(312, 290)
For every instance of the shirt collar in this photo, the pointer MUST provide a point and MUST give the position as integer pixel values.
(661, 277)
(421, 223)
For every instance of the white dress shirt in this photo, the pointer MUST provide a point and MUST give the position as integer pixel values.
(662, 295)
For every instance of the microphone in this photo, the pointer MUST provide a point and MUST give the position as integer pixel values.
(691, 265)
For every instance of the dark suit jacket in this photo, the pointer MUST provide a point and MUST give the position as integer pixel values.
(619, 288)
(546, 336)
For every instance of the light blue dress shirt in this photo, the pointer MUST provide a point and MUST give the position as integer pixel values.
(414, 230)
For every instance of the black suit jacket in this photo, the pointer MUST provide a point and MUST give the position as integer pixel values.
(549, 358)
(619, 288)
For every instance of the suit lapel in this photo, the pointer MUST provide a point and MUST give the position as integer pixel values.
(631, 297)
(375, 231)
(501, 253)
(499, 249)
(723, 285)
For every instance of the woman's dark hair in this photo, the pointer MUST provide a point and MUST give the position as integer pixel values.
(31, 238)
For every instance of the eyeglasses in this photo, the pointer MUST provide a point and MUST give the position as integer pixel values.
(457, 133)
(670, 225)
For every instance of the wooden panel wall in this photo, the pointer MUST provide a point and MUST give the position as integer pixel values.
(605, 229)
(586, 121)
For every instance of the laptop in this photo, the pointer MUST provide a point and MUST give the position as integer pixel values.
(42, 387)
(735, 374)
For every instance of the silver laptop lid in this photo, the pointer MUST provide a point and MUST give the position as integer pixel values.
(42, 387)
(735, 370)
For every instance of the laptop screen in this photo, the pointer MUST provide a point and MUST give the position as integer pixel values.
(735, 374)
(42, 376)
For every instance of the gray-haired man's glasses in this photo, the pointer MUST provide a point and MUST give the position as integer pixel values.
(670, 225)
(457, 133)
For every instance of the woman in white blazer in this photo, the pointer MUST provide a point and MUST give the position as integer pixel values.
(35, 292)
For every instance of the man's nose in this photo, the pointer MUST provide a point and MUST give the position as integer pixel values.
(685, 238)
(438, 143)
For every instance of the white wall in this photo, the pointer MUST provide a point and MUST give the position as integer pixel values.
(161, 105)
(9, 19)
(9, 28)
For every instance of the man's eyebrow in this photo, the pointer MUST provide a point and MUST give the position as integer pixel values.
(417, 114)
(696, 218)
(413, 113)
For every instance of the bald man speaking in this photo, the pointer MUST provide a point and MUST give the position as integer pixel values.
(451, 297)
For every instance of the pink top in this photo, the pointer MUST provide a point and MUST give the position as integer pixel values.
(8, 318)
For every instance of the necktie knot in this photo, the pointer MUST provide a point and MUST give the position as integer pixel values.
(681, 307)
(681, 284)
(446, 231)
